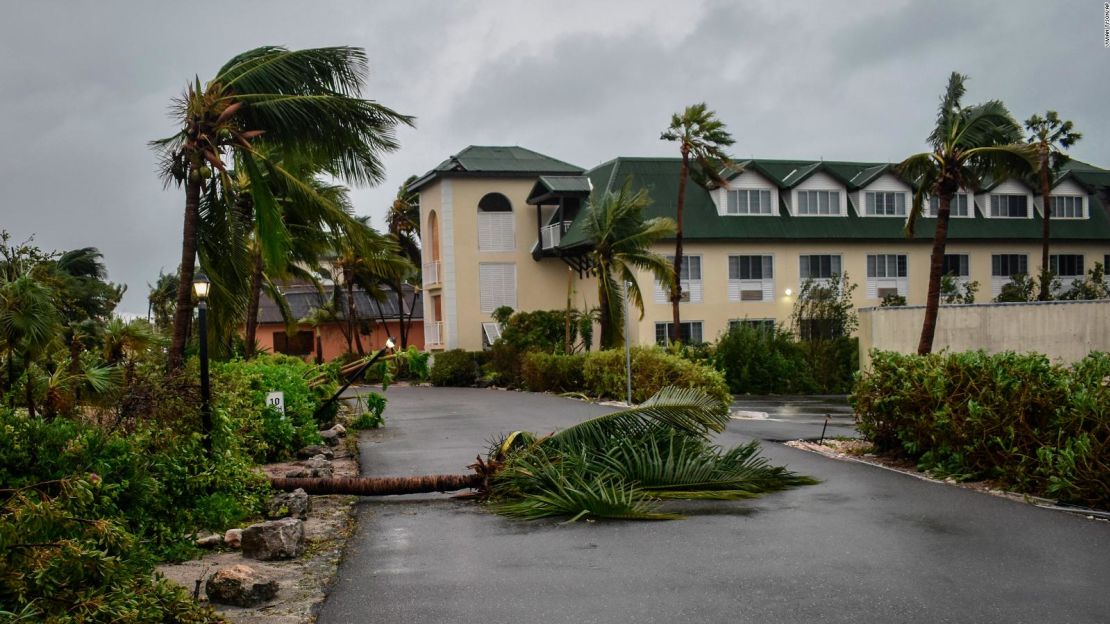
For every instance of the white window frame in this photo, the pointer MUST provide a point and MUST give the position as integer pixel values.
(991, 207)
(761, 193)
(1067, 281)
(691, 288)
(832, 197)
(960, 279)
(667, 331)
(899, 281)
(491, 332)
(998, 281)
(823, 281)
(969, 206)
(1077, 201)
(496, 290)
(870, 208)
(765, 284)
(496, 231)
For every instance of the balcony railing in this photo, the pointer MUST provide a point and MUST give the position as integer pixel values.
(550, 235)
(431, 273)
(433, 333)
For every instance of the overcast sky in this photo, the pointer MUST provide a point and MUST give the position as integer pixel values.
(86, 84)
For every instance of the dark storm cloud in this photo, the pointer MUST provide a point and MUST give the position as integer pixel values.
(86, 85)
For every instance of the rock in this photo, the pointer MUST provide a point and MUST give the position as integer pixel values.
(314, 468)
(295, 504)
(240, 585)
(209, 541)
(315, 449)
(277, 539)
(339, 430)
(233, 538)
(330, 437)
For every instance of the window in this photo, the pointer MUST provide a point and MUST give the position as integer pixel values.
(751, 278)
(956, 265)
(763, 324)
(958, 207)
(496, 285)
(689, 331)
(491, 333)
(1010, 206)
(818, 267)
(818, 329)
(495, 223)
(301, 343)
(690, 279)
(819, 202)
(1006, 265)
(1067, 207)
(1066, 265)
(748, 201)
(886, 265)
(886, 204)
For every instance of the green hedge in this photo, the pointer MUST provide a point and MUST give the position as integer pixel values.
(755, 360)
(455, 368)
(1017, 419)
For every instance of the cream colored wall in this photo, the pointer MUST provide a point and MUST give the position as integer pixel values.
(716, 310)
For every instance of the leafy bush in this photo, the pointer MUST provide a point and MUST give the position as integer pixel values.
(542, 330)
(763, 361)
(546, 372)
(373, 405)
(455, 368)
(652, 369)
(1014, 418)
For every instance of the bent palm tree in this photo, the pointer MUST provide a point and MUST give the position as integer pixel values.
(702, 137)
(622, 242)
(968, 144)
(305, 103)
(1051, 136)
(620, 465)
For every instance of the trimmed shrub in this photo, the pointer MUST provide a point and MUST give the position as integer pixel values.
(652, 369)
(547, 372)
(763, 361)
(455, 368)
(1017, 419)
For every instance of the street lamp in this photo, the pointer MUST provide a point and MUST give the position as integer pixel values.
(201, 285)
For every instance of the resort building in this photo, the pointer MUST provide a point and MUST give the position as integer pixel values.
(502, 226)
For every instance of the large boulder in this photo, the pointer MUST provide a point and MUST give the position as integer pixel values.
(277, 539)
(241, 586)
(295, 504)
(313, 450)
(314, 468)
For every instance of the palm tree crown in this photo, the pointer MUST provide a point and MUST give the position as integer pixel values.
(1051, 136)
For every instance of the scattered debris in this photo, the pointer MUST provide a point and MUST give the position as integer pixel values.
(313, 450)
(312, 468)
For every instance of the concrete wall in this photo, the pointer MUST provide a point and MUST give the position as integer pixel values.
(1063, 330)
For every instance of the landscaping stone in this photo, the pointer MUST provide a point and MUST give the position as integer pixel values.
(315, 449)
(330, 437)
(339, 430)
(277, 539)
(233, 538)
(295, 504)
(211, 540)
(315, 468)
(241, 586)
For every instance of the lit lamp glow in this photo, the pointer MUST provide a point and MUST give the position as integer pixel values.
(201, 286)
(388, 343)
(789, 292)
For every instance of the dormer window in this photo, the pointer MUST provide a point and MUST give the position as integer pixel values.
(885, 204)
(1009, 206)
(1067, 207)
(818, 202)
(958, 207)
(748, 202)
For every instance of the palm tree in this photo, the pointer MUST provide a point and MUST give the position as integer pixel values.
(366, 259)
(29, 323)
(968, 144)
(303, 102)
(622, 242)
(620, 465)
(701, 137)
(403, 225)
(1051, 136)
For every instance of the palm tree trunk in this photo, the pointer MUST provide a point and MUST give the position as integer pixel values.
(1046, 280)
(253, 298)
(936, 265)
(319, 347)
(183, 314)
(381, 486)
(676, 290)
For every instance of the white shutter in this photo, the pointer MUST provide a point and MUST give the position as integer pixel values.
(497, 286)
(693, 288)
(662, 295)
(495, 231)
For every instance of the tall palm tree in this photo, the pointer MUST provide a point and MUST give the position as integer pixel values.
(366, 259)
(303, 102)
(1052, 136)
(701, 137)
(622, 242)
(403, 225)
(968, 144)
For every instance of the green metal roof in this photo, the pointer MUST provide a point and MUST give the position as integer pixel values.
(487, 160)
(702, 222)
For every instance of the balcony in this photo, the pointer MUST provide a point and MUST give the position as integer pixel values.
(431, 273)
(433, 333)
(551, 235)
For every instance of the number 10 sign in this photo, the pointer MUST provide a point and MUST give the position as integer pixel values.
(276, 400)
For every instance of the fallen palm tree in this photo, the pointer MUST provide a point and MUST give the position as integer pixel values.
(620, 465)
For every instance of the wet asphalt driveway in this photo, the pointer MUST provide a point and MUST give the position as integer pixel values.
(865, 545)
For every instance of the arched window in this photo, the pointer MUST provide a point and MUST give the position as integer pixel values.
(433, 235)
(495, 223)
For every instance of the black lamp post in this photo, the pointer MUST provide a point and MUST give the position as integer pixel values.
(200, 289)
